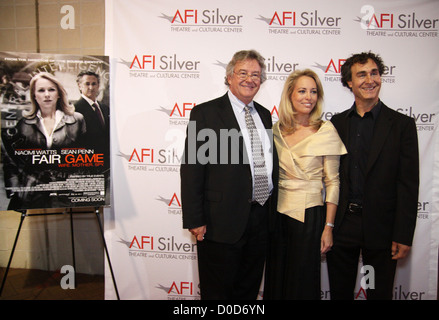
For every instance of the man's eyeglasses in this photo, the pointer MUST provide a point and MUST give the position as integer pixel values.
(242, 75)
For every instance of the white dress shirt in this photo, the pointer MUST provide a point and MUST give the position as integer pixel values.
(264, 134)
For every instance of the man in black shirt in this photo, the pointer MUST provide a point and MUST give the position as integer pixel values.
(379, 185)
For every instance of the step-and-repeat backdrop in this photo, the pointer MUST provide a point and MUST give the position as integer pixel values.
(166, 56)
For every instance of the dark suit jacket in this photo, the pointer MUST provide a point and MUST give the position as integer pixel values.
(219, 195)
(96, 136)
(391, 183)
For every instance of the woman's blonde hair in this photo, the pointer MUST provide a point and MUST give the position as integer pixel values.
(62, 102)
(287, 114)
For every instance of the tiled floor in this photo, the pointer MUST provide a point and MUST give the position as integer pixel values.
(25, 284)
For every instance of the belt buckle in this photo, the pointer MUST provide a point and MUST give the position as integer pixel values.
(354, 208)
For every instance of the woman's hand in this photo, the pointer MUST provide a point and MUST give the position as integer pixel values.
(326, 241)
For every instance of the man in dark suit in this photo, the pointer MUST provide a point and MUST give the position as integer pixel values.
(96, 114)
(379, 185)
(218, 184)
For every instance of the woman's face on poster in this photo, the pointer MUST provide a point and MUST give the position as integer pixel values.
(46, 94)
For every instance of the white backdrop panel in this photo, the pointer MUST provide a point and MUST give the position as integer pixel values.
(168, 55)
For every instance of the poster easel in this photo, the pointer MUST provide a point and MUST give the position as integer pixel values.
(25, 214)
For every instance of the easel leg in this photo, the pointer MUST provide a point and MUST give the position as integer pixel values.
(23, 215)
(106, 252)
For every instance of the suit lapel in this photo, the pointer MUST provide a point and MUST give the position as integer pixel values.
(228, 118)
(343, 132)
(227, 115)
(380, 133)
(344, 129)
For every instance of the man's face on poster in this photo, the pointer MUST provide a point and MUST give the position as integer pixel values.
(89, 86)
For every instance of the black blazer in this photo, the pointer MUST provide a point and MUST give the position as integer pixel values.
(219, 194)
(392, 179)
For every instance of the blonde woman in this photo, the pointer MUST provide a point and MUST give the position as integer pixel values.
(52, 120)
(50, 124)
(309, 150)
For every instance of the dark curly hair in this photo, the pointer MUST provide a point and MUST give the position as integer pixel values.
(360, 58)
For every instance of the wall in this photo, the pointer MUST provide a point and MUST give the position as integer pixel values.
(19, 20)
(52, 26)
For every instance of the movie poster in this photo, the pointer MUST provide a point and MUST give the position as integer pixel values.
(55, 143)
